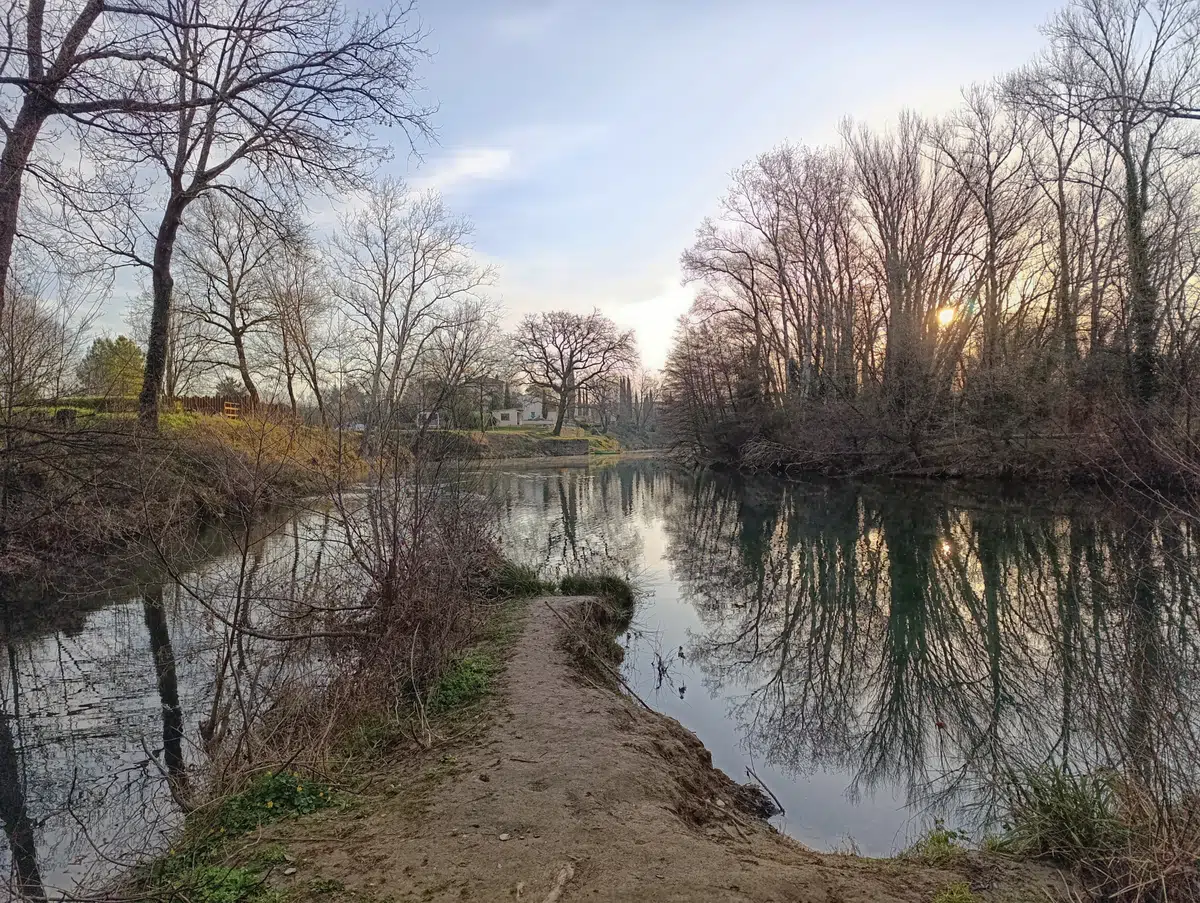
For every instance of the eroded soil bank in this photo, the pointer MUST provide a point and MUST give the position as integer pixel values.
(566, 790)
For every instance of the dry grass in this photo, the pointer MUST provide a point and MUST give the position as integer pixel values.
(1125, 846)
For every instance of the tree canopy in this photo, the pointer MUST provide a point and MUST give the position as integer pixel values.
(112, 368)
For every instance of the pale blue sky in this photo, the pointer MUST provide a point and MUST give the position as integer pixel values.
(587, 139)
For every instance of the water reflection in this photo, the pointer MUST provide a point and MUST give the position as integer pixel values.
(913, 643)
(880, 654)
(18, 826)
(108, 700)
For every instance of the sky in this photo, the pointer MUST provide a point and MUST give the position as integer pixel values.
(587, 139)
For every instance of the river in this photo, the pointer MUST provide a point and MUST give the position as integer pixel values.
(881, 655)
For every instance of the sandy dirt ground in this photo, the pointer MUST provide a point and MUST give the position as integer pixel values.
(569, 791)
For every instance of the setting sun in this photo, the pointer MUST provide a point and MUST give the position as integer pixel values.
(945, 316)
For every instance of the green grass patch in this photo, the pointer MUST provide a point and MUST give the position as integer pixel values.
(608, 586)
(471, 677)
(516, 581)
(176, 422)
(465, 682)
(603, 445)
(617, 593)
(938, 846)
(269, 798)
(959, 892)
(195, 870)
(218, 884)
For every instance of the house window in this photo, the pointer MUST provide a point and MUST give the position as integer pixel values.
(504, 416)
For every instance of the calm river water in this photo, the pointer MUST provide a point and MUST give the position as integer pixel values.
(881, 655)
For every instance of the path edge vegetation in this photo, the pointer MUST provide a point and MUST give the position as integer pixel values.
(219, 854)
(226, 853)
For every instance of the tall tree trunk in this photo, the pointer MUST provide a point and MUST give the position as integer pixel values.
(320, 402)
(1067, 316)
(162, 285)
(239, 346)
(289, 369)
(1143, 300)
(17, 151)
(563, 399)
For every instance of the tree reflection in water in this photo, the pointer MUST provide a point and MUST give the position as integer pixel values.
(916, 638)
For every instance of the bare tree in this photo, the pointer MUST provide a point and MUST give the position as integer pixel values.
(403, 261)
(1136, 64)
(225, 253)
(298, 292)
(563, 353)
(75, 61)
(915, 214)
(466, 356)
(984, 146)
(42, 333)
(300, 85)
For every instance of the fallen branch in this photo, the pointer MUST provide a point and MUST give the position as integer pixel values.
(770, 792)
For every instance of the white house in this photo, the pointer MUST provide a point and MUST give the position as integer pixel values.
(529, 411)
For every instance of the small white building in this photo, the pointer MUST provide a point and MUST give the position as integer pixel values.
(529, 411)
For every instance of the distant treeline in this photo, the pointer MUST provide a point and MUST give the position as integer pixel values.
(1009, 289)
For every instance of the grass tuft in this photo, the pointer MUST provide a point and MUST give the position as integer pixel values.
(617, 592)
(516, 581)
(1127, 844)
(938, 846)
(1064, 817)
(959, 892)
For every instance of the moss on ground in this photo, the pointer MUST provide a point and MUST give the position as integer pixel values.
(465, 682)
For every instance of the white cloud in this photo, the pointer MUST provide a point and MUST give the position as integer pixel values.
(464, 165)
(554, 281)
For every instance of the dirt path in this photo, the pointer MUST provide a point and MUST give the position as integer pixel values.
(575, 793)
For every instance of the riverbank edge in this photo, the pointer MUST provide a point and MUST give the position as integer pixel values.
(592, 458)
(707, 805)
(1030, 469)
(159, 495)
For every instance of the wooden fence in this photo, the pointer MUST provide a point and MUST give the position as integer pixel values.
(227, 406)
